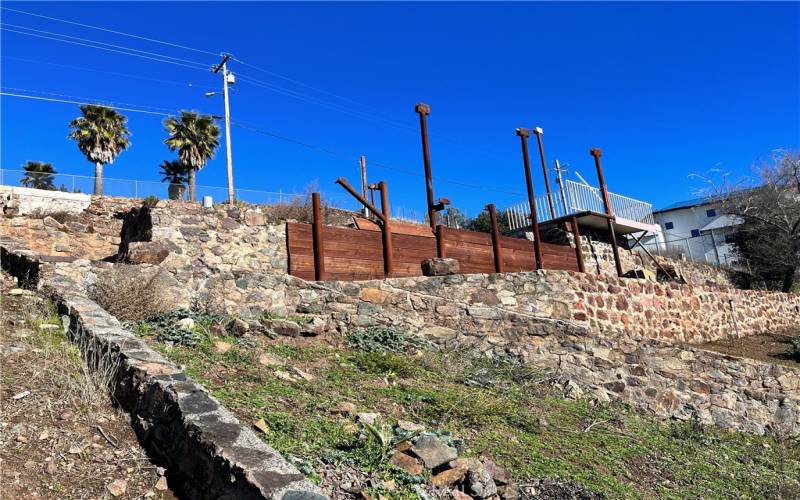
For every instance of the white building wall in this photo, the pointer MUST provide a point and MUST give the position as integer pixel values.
(703, 247)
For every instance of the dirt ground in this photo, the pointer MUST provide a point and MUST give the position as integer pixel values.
(770, 347)
(60, 436)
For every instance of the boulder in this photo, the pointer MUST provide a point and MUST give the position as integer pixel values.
(440, 267)
(238, 327)
(146, 252)
(432, 451)
(283, 327)
(479, 483)
(406, 462)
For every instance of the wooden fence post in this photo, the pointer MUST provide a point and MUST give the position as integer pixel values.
(440, 244)
(316, 235)
(497, 248)
(386, 232)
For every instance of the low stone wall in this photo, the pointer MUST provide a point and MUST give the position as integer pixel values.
(206, 452)
(23, 201)
(677, 381)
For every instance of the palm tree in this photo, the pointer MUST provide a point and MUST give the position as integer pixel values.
(39, 175)
(102, 134)
(177, 174)
(196, 138)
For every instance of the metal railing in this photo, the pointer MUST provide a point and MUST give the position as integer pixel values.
(580, 198)
(130, 188)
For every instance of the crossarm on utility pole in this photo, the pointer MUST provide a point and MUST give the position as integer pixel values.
(347, 187)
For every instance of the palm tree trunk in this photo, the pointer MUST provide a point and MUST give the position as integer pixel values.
(98, 178)
(192, 173)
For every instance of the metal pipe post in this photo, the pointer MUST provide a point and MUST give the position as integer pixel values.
(497, 248)
(576, 234)
(363, 162)
(440, 245)
(596, 153)
(424, 110)
(388, 251)
(316, 234)
(538, 131)
(523, 134)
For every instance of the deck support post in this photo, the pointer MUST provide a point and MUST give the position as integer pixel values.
(386, 231)
(597, 153)
(523, 134)
(440, 242)
(497, 248)
(576, 235)
(316, 234)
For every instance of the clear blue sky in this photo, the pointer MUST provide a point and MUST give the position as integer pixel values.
(665, 89)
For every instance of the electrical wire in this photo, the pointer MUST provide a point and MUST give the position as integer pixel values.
(102, 48)
(80, 68)
(115, 103)
(37, 98)
(112, 31)
(131, 49)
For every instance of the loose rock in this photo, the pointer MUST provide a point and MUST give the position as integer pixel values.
(433, 451)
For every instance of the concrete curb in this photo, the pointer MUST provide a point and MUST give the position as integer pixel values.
(206, 451)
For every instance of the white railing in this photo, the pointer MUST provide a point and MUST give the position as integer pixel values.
(129, 188)
(580, 198)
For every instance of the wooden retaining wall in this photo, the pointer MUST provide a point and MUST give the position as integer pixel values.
(357, 254)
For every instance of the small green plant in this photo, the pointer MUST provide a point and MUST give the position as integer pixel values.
(386, 339)
(793, 352)
(386, 363)
(165, 325)
(150, 201)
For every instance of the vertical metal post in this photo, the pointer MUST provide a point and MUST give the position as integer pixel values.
(424, 110)
(363, 161)
(597, 153)
(523, 134)
(440, 241)
(497, 248)
(316, 235)
(576, 234)
(223, 67)
(538, 131)
(388, 251)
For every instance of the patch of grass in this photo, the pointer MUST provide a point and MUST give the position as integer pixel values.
(496, 408)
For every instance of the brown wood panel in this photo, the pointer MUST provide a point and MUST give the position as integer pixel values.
(357, 254)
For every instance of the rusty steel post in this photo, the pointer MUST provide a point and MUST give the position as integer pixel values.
(538, 131)
(347, 187)
(576, 234)
(388, 250)
(597, 153)
(424, 110)
(523, 134)
(316, 235)
(497, 248)
(440, 241)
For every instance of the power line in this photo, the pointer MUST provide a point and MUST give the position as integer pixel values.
(101, 48)
(131, 49)
(299, 142)
(112, 31)
(37, 98)
(80, 68)
(15, 89)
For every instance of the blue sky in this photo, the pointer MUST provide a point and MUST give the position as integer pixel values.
(665, 89)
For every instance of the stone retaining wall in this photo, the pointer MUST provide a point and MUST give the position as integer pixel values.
(206, 452)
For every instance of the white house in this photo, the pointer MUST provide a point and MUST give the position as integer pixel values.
(696, 229)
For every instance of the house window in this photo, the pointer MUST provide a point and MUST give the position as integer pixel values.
(729, 238)
(695, 233)
(711, 212)
(669, 225)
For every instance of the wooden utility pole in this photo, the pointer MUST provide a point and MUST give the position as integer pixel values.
(223, 66)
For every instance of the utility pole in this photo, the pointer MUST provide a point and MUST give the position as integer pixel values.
(560, 180)
(364, 210)
(223, 66)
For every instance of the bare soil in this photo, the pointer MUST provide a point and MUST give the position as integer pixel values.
(769, 347)
(60, 435)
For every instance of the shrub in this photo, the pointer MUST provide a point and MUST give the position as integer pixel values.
(386, 339)
(793, 352)
(165, 326)
(130, 294)
(386, 363)
(150, 201)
